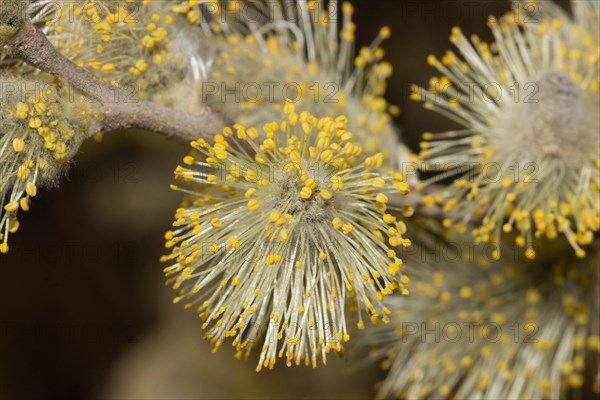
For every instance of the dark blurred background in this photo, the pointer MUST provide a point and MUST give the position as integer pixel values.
(83, 309)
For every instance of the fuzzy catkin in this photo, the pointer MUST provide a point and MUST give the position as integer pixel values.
(269, 248)
(475, 327)
(529, 138)
(41, 128)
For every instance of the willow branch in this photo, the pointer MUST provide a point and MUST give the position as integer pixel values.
(120, 109)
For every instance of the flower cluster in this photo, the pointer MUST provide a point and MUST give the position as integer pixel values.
(581, 27)
(243, 59)
(477, 328)
(41, 129)
(130, 43)
(265, 52)
(529, 143)
(277, 233)
(291, 230)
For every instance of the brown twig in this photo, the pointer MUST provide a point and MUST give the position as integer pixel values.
(120, 109)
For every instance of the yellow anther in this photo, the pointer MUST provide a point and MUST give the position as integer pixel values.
(283, 235)
(378, 183)
(272, 259)
(325, 194)
(148, 42)
(306, 192)
(381, 198)
(22, 110)
(18, 145)
(530, 253)
(385, 32)
(107, 68)
(35, 123)
(24, 203)
(11, 207)
(337, 223)
(465, 292)
(253, 205)
(30, 189)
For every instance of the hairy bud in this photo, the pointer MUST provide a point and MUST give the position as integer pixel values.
(13, 18)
